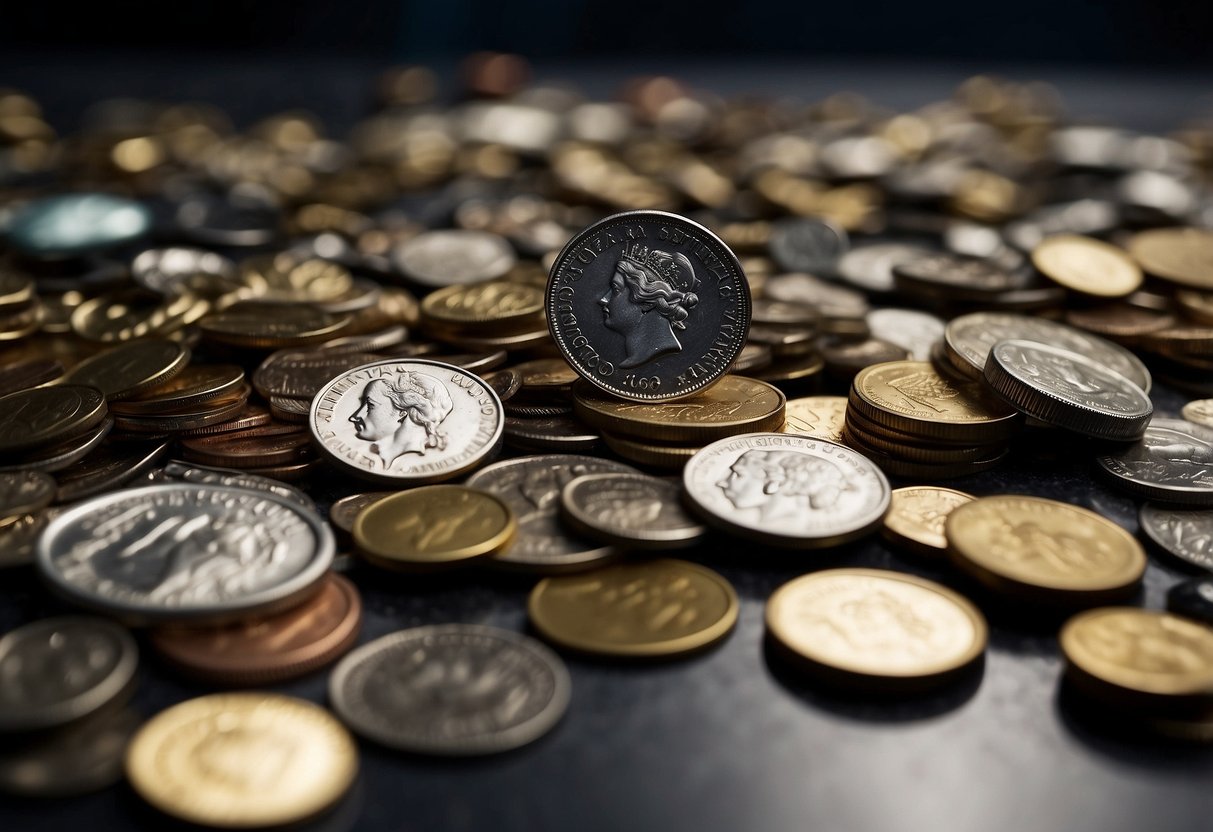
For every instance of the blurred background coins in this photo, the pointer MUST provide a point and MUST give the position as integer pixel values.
(1087, 266)
(630, 510)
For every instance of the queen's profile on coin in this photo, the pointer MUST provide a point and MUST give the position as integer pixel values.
(402, 414)
(649, 297)
(783, 484)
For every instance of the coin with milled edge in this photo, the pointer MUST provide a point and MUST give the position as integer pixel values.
(298, 374)
(648, 306)
(786, 490)
(42, 416)
(820, 416)
(1172, 463)
(634, 510)
(451, 690)
(407, 421)
(1187, 535)
(918, 515)
(1199, 412)
(107, 468)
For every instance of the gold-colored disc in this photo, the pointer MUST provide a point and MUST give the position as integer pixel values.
(494, 302)
(433, 526)
(650, 453)
(263, 325)
(875, 627)
(1199, 412)
(1086, 265)
(242, 760)
(820, 416)
(648, 609)
(192, 386)
(1044, 549)
(1180, 255)
(917, 515)
(130, 369)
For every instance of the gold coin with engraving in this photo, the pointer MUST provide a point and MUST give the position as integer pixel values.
(917, 515)
(44, 416)
(433, 526)
(261, 325)
(242, 760)
(498, 302)
(546, 375)
(733, 405)
(1199, 412)
(130, 369)
(1088, 266)
(648, 609)
(1180, 255)
(876, 628)
(820, 416)
(1044, 550)
(127, 314)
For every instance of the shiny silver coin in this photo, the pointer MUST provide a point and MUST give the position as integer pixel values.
(648, 306)
(807, 244)
(453, 257)
(407, 421)
(916, 332)
(83, 758)
(180, 270)
(531, 487)
(451, 690)
(206, 475)
(185, 553)
(787, 490)
(632, 510)
(59, 670)
(870, 267)
(1067, 390)
(1172, 463)
(829, 299)
(1187, 535)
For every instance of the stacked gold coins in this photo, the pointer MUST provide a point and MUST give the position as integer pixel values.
(493, 314)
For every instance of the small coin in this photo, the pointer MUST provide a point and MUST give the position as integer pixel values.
(845, 357)
(952, 277)
(807, 244)
(179, 270)
(1199, 412)
(252, 448)
(451, 690)
(917, 332)
(495, 304)
(24, 492)
(242, 760)
(633, 510)
(1188, 535)
(1044, 550)
(30, 419)
(1087, 265)
(1193, 599)
(505, 383)
(917, 517)
(344, 512)
(445, 258)
(651, 609)
(1180, 255)
(1196, 305)
(130, 369)
(786, 490)
(820, 416)
(544, 376)
(192, 386)
(876, 628)
(19, 535)
(263, 325)
(1171, 463)
(1120, 321)
(85, 758)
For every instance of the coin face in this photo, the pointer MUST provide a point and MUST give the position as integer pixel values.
(1087, 265)
(129, 369)
(635, 510)
(786, 490)
(45, 415)
(1188, 535)
(242, 760)
(917, 515)
(648, 306)
(820, 416)
(186, 553)
(451, 690)
(649, 609)
(407, 421)
(1172, 463)
(877, 626)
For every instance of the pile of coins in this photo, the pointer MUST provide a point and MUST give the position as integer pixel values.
(244, 374)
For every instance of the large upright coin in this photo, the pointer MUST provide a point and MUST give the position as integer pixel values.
(1172, 463)
(407, 421)
(786, 490)
(185, 553)
(648, 306)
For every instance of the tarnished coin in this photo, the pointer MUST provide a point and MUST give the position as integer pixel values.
(43, 416)
(1044, 550)
(22, 375)
(1188, 535)
(648, 306)
(786, 490)
(876, 628)
(130, 369)
(917, 516)
(299, 374)
(1199, 412)
(19, 536)
(185, 553)
(451, 690)
(820, 416)
(1087, 265)
(1122, 321)
(106, 468)
(651, 609)
(1068, 390)
(1193, 599)
(407, 421)
(24, 492)
(344, 513)
(252, 448)
(1180, 255)
(557, 433)
(446, 258)
(505, 383)
(192, 386)
(59, 670)
(531, 487)
(204, 475)
(634, 510)
(85, 758)
(657, 455)
(807, 244)
(1172, 463)
(242, 760)
(917, 332)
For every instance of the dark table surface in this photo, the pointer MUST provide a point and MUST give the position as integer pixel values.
(727, 740)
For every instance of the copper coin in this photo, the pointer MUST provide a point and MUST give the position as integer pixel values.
(1119, 321)
(270, 445)
(251, 416)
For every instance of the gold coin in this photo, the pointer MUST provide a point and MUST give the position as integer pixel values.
(495, 302)
(876, 627)
(650, 453)
(433, 526)
(820, 416)
(1044, 549)
(1180, 255)
(1086, 265)
(128, 314)
(648, 609)
(271, 325)
(192, 386)
(917, 516)
(1199, 412)
(240, 760)
(130, 369)
(546, 375)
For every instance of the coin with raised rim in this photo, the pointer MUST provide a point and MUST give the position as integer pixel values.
(1171, 463)
(42, 416)
(634, 510)
(130, 369)
(918, 515)
(1185, 534)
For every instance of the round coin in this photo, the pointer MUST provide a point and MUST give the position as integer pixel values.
(344, 513)
(45, 416)
(446, 258)
(648, 306)
(85, 758)
(634, 510)
(242, 760)
(786, 490)
(1199, 412)
(1086, 265)
(192, 386)
(1180, 255)
(1188, 535)
(70, 224)
(820, 416)
(130, 369)
(651, 609)
(451, 690)
(298, 374)
(917, 516)
(1172, 463)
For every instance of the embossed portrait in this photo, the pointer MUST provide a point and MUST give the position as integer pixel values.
(402, 414)
(651, 294)
(783, 484)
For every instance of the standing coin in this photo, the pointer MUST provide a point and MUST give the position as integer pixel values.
(786, 490)
(648, 306)
(1086, 265)
(634, 510)
(407, 421)
(1172, 463)
(45, 416)
(1188, 535)
(130, 369)
(451, 690)
(917, 517)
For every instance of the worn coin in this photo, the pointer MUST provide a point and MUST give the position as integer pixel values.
(19, 535)
(130, 369)
(1199, 412)
(24, 492)
(30, 419)
(941, 276)
(1122, 321)
(445, 258)
(1188, 535)
(1172, 463)
(180, 270)
(654, 454)
(829, 299)
(1087, 265)
(820, 416)
(22, 375)
(917, 517)
(84, 758)
(64, 454)
(263, 325)
(550, 433)
(633, 510)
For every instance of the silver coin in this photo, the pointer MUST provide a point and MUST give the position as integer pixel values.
(23, 492)
(914, 331)
(787, 490)
(531, 487)
(453, 257)
(1172, 463)
(969, 338)
(185, 553)
(407, 421)
(648, 306)
(955, 277)
(829, 299)
(176, 270)
(70, 224)
(807, 244)
(870, 267)
(1199, 412)
(635, 510)
(206, 475)
(1188, 535)
(59, 670)
(452, 690)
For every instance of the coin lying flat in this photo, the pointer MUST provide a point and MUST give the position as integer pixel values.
(407, 421)
(185, 553)
(451, 690)
(24, 492)
(242, 760)
(1180, 255)
(634, 510)
(1087, 265)
(650, 609)
(299, 374)
(344, 512)
(85, 758)
(786, 490)
(1185, 534)
(447, 258)
(648, 306)
(1199, 412)
(820, 416)
(202, 475)
(1044, 550)
(876, 628)
(1172, 463)
(192, 386)
(917, 517)
(130, 369)
(30, 419)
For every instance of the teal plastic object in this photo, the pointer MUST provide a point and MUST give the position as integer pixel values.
(70, 224)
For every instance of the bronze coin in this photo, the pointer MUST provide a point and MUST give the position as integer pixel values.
(267, 446)
(505, 382)
(22, 375)
(188, 418)
(192, 386)
(1119, 321)
(130, 369)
